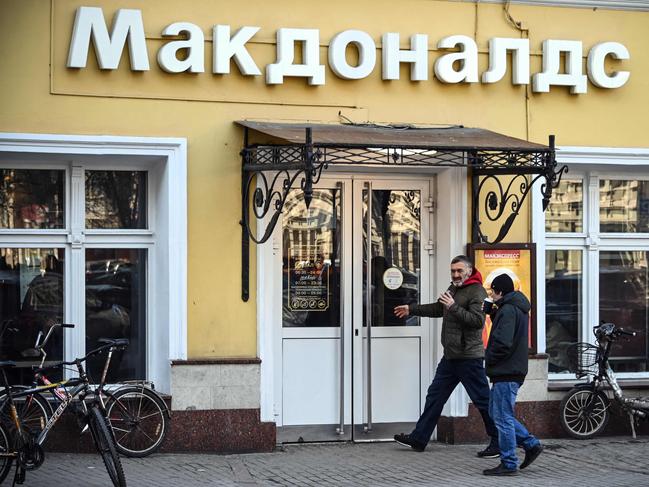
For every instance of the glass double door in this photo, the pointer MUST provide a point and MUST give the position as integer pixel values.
(349, 368)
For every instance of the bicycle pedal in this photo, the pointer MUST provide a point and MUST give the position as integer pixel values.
(19, 477)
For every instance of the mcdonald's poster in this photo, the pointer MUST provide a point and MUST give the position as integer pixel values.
(515, 260)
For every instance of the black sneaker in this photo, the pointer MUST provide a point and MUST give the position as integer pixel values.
(531, 455)
(406, 440)
(500, 470)
(490, 452)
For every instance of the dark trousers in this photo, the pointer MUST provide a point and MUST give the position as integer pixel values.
(449, 373)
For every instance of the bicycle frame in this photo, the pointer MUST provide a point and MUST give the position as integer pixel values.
(59, 411)
(636, 408)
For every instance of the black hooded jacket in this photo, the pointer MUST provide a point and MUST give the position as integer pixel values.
(506, 354)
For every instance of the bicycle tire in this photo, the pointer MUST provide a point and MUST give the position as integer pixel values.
(584, 412)
(139, 419)
(34, 410)
(5, 447)
(105, 444)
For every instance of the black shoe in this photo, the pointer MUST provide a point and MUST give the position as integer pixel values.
(531, 455)
(500, 470)
(490, 452)
(406, 440)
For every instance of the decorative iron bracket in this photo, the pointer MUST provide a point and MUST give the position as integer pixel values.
(506, 202)
(266, 194)
(269, 172)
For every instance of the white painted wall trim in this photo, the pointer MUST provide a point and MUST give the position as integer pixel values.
(269, 299)
(172, 296)
(635, 5)
(631, 156)
(451, 235)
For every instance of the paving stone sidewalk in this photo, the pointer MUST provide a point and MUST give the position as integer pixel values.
(603, 462)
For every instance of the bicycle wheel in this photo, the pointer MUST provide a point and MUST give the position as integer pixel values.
(139, 419)
(584, 412)
(33, 410)
(5, 448)
(106, 446)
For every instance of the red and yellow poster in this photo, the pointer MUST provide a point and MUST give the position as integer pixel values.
(517, 264)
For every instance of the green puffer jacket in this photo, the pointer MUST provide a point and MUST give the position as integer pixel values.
(462, 323)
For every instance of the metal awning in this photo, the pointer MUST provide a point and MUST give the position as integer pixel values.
(282, 153)
(406, 136)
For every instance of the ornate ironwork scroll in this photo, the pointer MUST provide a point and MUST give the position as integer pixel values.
(269, 172)
(266, 195)
(506, 202)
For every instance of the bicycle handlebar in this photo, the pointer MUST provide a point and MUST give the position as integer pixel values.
(627, 333)
(609, 331)
(109, 343)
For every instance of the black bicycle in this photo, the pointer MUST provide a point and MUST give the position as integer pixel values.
(21, 440)
(138, 415)
(585, 409)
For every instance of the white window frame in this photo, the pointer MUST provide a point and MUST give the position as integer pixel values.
(590, 164)
(165, 159)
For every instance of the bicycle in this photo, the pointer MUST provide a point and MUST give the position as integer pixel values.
(24, 445)
(585, 409)
(138, 415)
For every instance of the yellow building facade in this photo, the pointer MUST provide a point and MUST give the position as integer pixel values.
(121, 158)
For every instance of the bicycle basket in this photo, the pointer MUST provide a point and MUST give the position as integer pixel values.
(583, 359)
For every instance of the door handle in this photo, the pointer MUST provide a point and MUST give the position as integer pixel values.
(341, 426)
(368, 305)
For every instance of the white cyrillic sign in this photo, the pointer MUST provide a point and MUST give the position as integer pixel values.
(562, 59)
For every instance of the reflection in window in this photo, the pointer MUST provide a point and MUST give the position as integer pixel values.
(311, 259)
(624, 206)
(32, 198)
(565, 211)
(116, 308)
(623, 297)
(31, 300)
(116, 199)
(396, 236)
(563, 304)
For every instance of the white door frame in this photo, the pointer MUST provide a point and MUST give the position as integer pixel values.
(450, 231)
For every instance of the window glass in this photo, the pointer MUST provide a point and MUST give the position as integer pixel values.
(32, 198)
(116, 308)
(623, 206)
(623, 297)
(311, 259)
(395, 254)
(31, 301)
(565, 211)
(563, 304)
(116, 199)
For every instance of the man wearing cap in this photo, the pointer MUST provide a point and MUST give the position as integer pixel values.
(460, 307)
(506, 366)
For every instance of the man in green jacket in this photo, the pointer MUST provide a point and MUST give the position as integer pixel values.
(460, 307)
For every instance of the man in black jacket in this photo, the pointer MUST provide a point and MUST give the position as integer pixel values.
(506, 366)
(460, 307)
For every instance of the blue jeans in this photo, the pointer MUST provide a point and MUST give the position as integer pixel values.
(449, 373)
(510, 432)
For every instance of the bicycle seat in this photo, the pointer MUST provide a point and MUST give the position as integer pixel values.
(7, 363)
(30, 353)
(116, 342)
